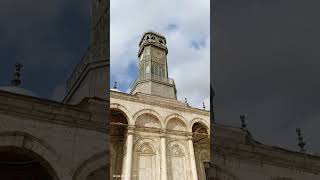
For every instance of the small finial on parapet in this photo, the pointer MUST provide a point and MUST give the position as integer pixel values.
(243, 123)
(115, 85)
(16, 81)
(186, 101)
(301, 143)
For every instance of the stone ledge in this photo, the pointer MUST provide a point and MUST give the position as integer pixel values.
(80, 115)
(158, 101)
(250, 150)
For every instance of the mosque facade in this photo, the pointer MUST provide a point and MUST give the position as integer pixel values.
(153, 135)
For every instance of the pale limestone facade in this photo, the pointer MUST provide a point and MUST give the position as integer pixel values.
(69, 139)
(154, 136)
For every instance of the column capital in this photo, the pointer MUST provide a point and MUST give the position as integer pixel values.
(163, 133)
(130, 129)
(190, 135)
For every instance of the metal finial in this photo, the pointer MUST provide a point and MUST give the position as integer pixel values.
(243, 123)
(115, 85)
(16, 80)
(301, 143)
(186, 101)
(203, 106)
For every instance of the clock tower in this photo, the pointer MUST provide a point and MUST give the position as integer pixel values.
(153, 67)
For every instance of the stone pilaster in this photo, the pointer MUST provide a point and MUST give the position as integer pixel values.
(192, 159)
(126, 173)
(163, 156)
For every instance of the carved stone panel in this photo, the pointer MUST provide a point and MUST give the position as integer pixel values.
(145, 164)
(147, 120)
(176, 125)
(176, 162)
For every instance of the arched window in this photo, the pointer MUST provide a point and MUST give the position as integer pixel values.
(161, 72)
(145, 162)
(177, 162)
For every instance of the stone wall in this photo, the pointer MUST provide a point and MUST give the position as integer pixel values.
(72, 139)
(237, 156)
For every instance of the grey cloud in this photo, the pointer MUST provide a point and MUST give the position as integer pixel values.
(48, 37)
(267, 66)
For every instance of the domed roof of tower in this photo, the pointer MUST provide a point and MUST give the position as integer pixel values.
(15, 83)
(150, 34)
(153, 32)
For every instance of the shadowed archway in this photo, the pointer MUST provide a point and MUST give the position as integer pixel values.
(22, 164)
(118, 130)
(201, 143)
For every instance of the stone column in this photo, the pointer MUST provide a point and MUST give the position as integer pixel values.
(192, 159)
(163, 157)
(127, 163)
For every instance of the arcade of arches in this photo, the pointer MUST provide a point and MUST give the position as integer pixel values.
(156, 143)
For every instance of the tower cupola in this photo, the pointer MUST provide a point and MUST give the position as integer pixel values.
(153, 67)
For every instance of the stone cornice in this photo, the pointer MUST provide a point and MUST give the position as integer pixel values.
(251, 150)
(81, 115)
(158, 101)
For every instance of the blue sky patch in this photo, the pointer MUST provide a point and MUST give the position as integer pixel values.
(130, 75)
(198, 44)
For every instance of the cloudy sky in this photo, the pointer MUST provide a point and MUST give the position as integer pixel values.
(185, 24)
(48, 37)
(266, 66)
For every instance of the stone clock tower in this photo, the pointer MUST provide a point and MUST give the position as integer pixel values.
(153, 68)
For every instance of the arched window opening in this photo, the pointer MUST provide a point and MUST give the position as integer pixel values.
(118, 131)
(16, 163)
(201, 144)
(177, 162)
